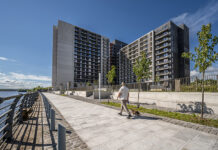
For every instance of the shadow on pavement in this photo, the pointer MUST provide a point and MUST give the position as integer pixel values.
(146, 117)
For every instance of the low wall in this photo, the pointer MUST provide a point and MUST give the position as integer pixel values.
(80, 93)
(57, 92)
(181, 101)
(68, 92)
(83, 93)
(104, 95)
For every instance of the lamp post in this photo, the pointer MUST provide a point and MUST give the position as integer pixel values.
(99, 81)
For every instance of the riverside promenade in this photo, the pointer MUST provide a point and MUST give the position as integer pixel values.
(101, 128)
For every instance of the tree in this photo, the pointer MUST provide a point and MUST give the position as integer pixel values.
(111, 75)
(95, 82)
(142, 70)
(204, 54)
(157, 79)
(88, 83)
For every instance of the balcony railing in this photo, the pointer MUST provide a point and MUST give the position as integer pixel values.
(161, 36)
(163, 68)
(160, 47)
(163, 57)
(163, 73)
(164, 40)
(164, 62)
(162, 52)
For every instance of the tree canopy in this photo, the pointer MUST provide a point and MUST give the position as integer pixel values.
(141, 68)
(111, 75)
(204, 54)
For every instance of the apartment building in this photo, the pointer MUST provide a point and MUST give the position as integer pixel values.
(79, 56)
(131, 52)
(163, 46)
(114, 53)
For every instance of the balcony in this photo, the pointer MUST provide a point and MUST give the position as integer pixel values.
(163, 35)
(162, 52)
(163, 46)
(163, 57)
(166, 79)
(161, 31)
(163, 73)
(162, 63)
(162, 41)
(163, 68)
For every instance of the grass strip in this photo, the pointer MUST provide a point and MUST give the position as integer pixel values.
(175, 115)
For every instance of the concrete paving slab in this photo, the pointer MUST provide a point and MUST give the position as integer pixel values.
(103, 129)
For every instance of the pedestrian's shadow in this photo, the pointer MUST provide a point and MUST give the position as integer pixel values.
(146, 117)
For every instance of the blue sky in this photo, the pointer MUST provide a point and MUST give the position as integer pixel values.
(26, 29)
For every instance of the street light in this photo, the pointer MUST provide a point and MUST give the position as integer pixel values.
(99, 80)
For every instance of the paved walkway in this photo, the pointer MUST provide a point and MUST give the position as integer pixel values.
(102, 129)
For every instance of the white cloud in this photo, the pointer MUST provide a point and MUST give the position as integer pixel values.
(194, 73)
(6, 59)
(20, 76)
(17, 80)
(205, 15)
(3, 58)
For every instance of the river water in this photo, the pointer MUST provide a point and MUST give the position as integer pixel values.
(8, 93)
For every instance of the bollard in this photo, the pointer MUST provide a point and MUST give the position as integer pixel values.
(61, 137)
(52, 125)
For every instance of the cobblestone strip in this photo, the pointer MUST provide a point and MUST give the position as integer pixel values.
(73, 141)
(203, 128)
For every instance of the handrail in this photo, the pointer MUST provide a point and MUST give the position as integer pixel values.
(13, 115)
(5, 106)
(10, 97)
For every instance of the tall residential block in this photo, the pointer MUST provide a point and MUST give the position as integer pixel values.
(79, 56)
(163, 46)
(114, 53)
(130, 53)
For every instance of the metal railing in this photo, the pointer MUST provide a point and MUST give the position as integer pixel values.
(194, 84)
(11, 113)
(188, 84)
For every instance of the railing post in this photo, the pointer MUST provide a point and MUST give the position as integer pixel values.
(9, 121)
(1, 100)
(61, 137)
(52, 125)
(49, 109)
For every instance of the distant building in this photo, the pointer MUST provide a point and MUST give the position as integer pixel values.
(115, 47)
(78, 56)
(163, 47)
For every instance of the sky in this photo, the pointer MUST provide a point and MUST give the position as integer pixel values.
(26, 29)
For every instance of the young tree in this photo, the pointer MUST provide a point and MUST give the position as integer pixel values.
(204, 54)
(142, 70)
(157, 80)
(111, 75)
(88, 83)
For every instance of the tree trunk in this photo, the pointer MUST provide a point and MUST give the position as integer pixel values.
(202, 104)
(138, 94)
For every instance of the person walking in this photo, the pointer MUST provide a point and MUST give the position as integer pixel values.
(123, 94)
